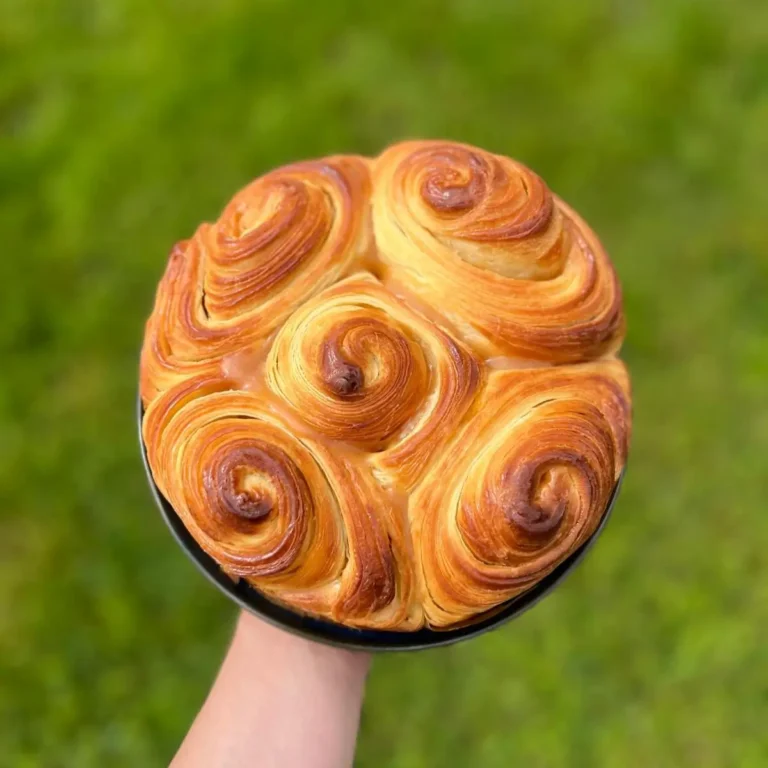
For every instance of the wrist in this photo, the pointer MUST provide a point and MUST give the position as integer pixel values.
(257, 643)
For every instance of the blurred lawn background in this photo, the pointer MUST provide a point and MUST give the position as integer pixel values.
(125, 123)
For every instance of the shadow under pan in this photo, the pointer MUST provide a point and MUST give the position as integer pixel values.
(250, 599)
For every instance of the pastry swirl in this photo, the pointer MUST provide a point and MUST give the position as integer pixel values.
(363, 368)
(526, 484)
(281, 239)
(517, 270)
(278, 508)
(385, 392)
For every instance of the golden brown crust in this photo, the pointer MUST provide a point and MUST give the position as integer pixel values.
(386, 420)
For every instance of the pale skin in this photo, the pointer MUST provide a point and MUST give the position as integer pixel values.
(278, 700)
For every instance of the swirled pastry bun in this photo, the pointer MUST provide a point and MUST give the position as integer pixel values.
(385, 391)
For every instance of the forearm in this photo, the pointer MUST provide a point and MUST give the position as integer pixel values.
(278, 701)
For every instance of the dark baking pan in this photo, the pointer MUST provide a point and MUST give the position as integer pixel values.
(250, 599)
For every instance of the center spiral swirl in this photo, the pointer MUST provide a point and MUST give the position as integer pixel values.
(360, 367)
(350, 373)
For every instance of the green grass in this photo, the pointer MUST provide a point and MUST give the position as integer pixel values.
(122, 124)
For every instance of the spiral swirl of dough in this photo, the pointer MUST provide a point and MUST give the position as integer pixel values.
(525, 484)
(483, 238)
(276, 508)
(361, 367)
(281, 239)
